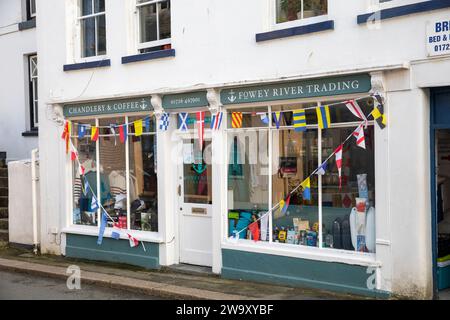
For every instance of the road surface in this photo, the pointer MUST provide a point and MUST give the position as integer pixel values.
(21, 286)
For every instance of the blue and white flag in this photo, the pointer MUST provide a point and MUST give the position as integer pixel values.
(184, 116)
(85, 187)
(115, 234)
(94, 204)
(164, 122)
(322, 169)
(147, 124)
(264, 117)
(216, 121)
(102, 228)
(81, 131)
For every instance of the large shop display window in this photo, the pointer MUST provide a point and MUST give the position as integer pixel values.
(266, 163)
(124, 175)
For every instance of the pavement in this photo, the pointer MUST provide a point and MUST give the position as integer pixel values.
(174, 283)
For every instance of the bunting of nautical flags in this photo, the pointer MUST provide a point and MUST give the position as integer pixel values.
(216, 121)
(286, 205)
(322, 169)
(306, 186)
(236, 120)
(115, 233)
(94, 133)
(73, 155)
(66, 134)
(338, 155)
(81, 131)
(378, 111)
(81, 170)
(94, 204)
(138, 127)
(360, 139)
(323, 117)
(354, 108)
(133, 241)
(112, 128)
(254, 230)
(85, 186)
(147, 124)
(201, 127)
(264, 117)
(277, 119)
(101, 232)
(183, 116)
(123, 133)
(300, 120)
(164, 122)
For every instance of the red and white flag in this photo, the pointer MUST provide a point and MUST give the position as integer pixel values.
(133, 241)
(201, 127)
(354, 108)
(360, 138)
(338, 154)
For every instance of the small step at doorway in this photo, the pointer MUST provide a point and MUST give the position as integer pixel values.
(190, 269)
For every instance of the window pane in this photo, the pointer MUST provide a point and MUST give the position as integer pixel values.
(164, 20)
(86, 7)
(148, 23)
(343, 226)
(88, 37)
(143, 179)
(340, 113)
(99, 6)
(248, 182)
(101, 35)
(288, 10)
(32, 7)
(82, 198)
(113, 173)
(251, 117)
(294, 159)
(315, 8)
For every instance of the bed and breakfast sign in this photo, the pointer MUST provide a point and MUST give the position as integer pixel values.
(438, 37)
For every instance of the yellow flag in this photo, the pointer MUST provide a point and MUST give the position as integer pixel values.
(138, 128)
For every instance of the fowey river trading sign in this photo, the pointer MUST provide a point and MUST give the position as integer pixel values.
(108, 107)
(298, 89)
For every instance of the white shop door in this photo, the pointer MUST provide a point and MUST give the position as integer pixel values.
(195, 203)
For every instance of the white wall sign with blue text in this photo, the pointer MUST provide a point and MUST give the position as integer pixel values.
(438, 37)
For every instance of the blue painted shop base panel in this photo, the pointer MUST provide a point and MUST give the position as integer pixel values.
(111, 250)
(295, 272)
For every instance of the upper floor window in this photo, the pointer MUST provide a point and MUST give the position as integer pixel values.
(33, 91)
(291, 10)
(154, 25)
(31, 9)
(92, 28)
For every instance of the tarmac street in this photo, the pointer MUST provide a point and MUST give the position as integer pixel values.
(22, 286)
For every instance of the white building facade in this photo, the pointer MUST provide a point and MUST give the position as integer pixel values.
(132, 82)
(19, 120)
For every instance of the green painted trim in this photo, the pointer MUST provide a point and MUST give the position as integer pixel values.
(122, 106)
(111, 250)
(185, 100)
(322, 87)
(331, 276)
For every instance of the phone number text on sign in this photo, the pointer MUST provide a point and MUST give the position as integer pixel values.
(438, 37)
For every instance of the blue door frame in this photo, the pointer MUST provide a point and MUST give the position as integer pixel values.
(439, 119)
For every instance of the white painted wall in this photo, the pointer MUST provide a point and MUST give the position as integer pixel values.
(215, 44)
(15, 46)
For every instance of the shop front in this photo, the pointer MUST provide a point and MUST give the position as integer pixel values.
(273, 182)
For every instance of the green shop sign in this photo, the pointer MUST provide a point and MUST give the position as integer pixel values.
(185, 100)
(298, 89)
(108, 107)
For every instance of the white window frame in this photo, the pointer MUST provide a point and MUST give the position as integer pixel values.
(78, 44)
(294, 23)
(285, 249)
(30, 4)
(150, 44)
(34, 82)
(150, 236)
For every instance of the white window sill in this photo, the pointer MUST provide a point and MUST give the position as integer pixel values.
(145, 236)
(298, 23)
(91, 59)
(302, 252)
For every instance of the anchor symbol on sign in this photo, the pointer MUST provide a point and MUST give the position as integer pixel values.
(232, 98)
(144, 104)
(199, 168)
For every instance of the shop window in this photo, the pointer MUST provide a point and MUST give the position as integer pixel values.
(292, 10)
(284, 159)
(92, 28)
(251, 117)
(154, 25)
(124, 175)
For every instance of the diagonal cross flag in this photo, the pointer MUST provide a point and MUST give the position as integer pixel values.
(184, 116)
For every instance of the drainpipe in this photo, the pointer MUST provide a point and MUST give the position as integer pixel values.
(34, 181)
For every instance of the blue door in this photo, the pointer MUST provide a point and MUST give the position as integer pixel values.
(440, 135)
